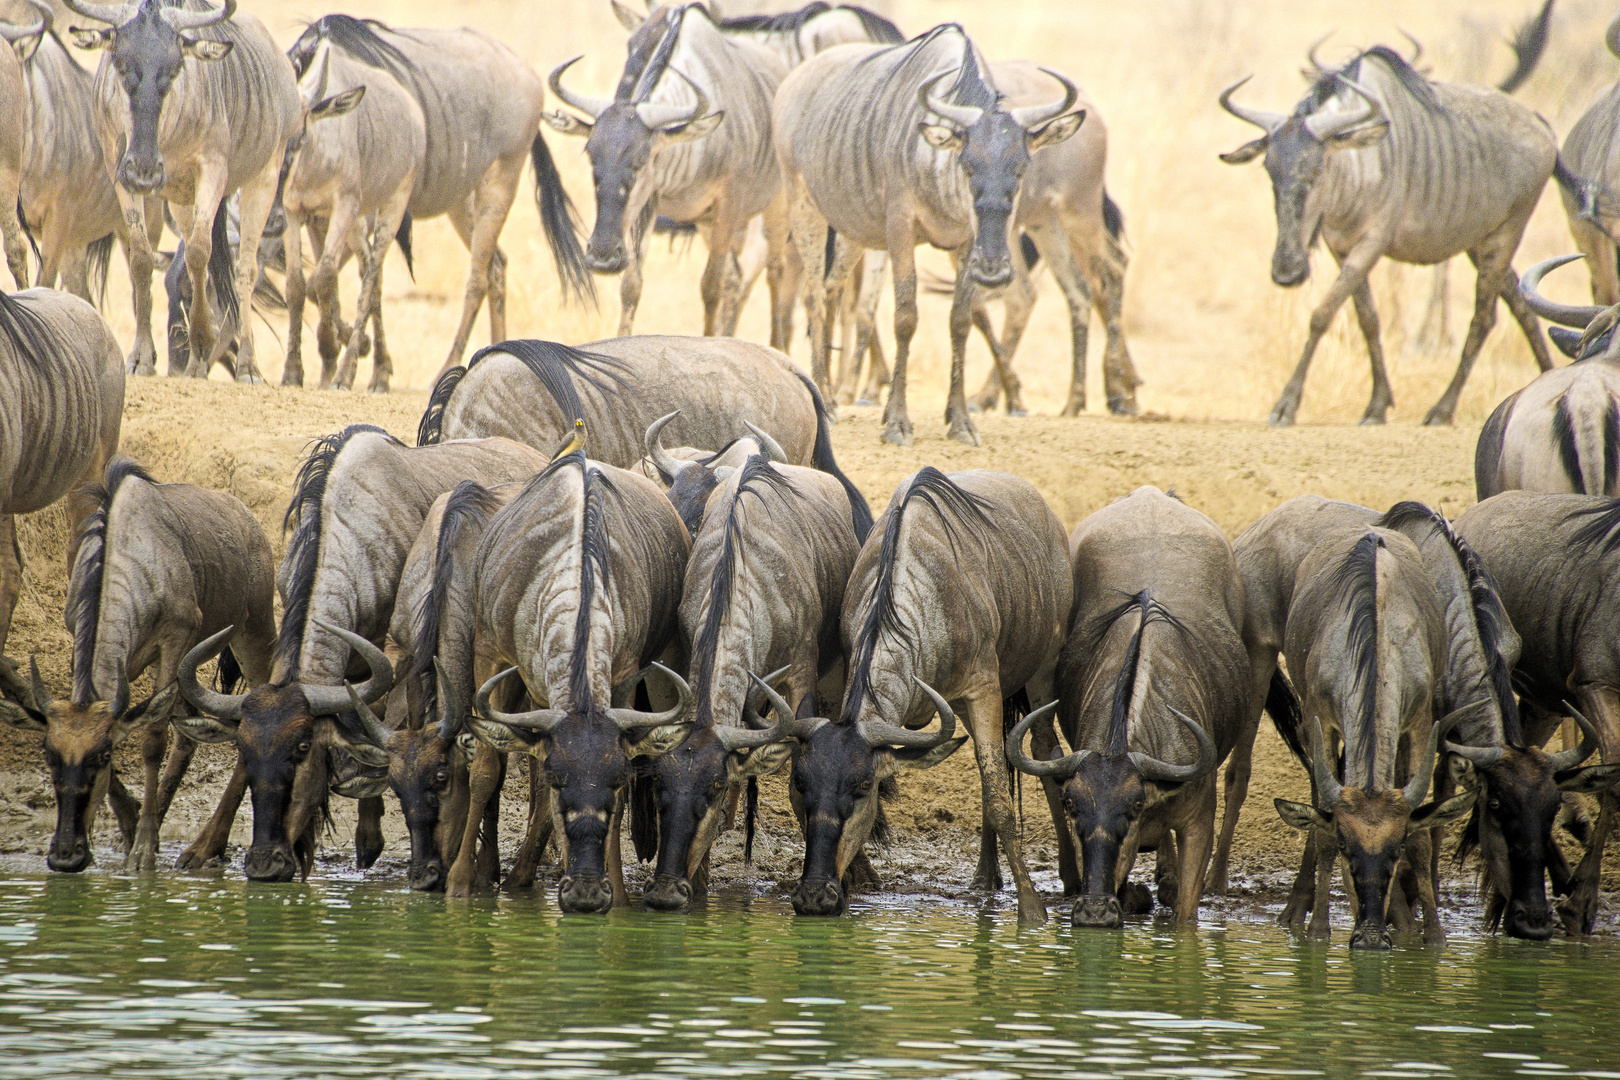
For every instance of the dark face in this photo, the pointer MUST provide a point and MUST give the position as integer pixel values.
(836, 776)
(429, 776)
(1371, 833)
(1104, 799)
(1294, 159)
(278, 741)
(588, 767)
(78, 747)
(994, 155)
(620, 146)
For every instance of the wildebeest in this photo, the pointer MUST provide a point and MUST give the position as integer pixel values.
(1376, 160)
(160, 566)
(960, 594)
(764, 589)
(66, 200)
(358, 505)
(1588, 177)
(351, 171)
(61, 407)
(582, 632)
(193, 103)
(687, 135)
(1553, 558)
(871, 148)
(18, 40)
(470, 170)
(1366, 645)
(1152, 693)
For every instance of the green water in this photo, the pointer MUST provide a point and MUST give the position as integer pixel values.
(187, 977)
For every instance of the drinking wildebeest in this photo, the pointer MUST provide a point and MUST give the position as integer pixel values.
(1357, 164)
(193, 103)
(871, 148)
(960, 594)
(159, 567)
(687, 135)
(357, 507)
(470, 171)
(1553, 557)
(16, 42)
(1366, 644)
(1587, 181)
(581, 634)
(1152, 693)
(61, 407)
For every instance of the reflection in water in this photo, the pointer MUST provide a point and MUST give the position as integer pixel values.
(119, 978)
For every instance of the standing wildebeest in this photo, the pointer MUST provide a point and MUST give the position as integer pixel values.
(607, 605)
(1588, 179)
(160, 566)
(1554, 558)
(482, 107)
(358, 505)
(352, 168)
(687, 135)
(18, 43)
(61, 406)
(871, 149)
(1152, 693)
(194, 103)
(960, 594)
(764, 589)
(1377, 160)
(1366, 642)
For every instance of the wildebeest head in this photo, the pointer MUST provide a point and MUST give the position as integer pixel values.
(283, 734)
(839, 774)
(1596, 323)
(317, 105)
(1369, 828)
(1520, 792)
(1105, 794)
(1296, 149)
(692, 477)
(147, 44)
(80, 738)
(993, 145)
(692, 781)
(588, 753)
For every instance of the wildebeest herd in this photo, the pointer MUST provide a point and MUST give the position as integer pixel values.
(636, 560)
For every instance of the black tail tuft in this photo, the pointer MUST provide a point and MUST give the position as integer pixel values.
(560, 220)
(1113, 218)
(28, 234)
(97, 257)
(821, 457)
(1529, 42)
(1032, 254)
(750, 819)
(229, 674)
(403, 239)
(429, 431)
(222, 275)
(1282, 703)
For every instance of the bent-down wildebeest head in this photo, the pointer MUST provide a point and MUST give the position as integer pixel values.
(691, 475)
(1595, 322)
(284, 732)
(148, 43)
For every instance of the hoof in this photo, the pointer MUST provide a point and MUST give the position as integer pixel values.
(1020, 411)
(1278, 418)
(1436, 418)
(1123, 407)
(897, 434)
(963, 432)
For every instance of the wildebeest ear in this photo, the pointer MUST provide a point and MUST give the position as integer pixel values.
(940, 137)
(1358, 138)
(337, 104)
(924, 757)
(373, 757)
(1303, 816)
(1567, 340)
(1462, 770)
(363, 786)
(205, 729)
(24, 47)
(200, 49)
(466, 745)
(19, 717)
(567, 123)
(152, 710)
(501, 737)
(92, 39)
(659, 740)
(1055, 131)
(1588, 781)
(1247, 152)
(627, 18)
(762, 760)
(695, 129)
(1436, 814)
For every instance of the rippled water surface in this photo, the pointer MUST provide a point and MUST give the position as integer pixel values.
(102, 976)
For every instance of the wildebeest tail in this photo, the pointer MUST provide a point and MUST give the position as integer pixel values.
(1488, 450)
(821, 457)
(1588, 445)
(1282, 705)
(402, 237)
(97, 258)
(469, 504)
(1585, 193)
(90, 570)
(1529, 42)
(1031, 253)
(22, 219)
(430, 430)
(35, 343)
(1113, 218)
(221, 274)
(556, 366)
(229, 674)
(561, 222)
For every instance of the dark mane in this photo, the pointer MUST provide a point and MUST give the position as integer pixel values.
(469, 503)
(757, 475)
(360, 39)
(554, 364)
(650, 48)
(938, 491)
(89, 571)
(31, 337)
(1090, 640)
(1600, 532)
(593, 571)
(821, 457)
(1490, 620)
(1328, 83)
(877, 28)
(304, 549)
(1356, 581)
(970, 87)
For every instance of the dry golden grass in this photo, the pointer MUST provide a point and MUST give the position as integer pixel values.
(1211, 335)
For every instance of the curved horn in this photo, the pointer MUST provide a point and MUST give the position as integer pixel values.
(1417, 49)
(1310, 53)
(377, 731)
(747, 738)
(1418, 786)
(327, 700)
(451, 708)
(1568, 759)
(772, 448)
(223, 706)
(1033, 116)
(1063, 767)
(1152, 768)
(591, 107)
(1611, 37)
(1326, 125)
(318, 85)
(1266, 121)
(1577, 315)
(657, 116)
(47, 18)
(666, 464)
(120, 701)
(964, 116)
(882, 733)
(182, 20)
(789, 724)
(631, 719)
(42, 696)
(1482, 756)
(544, 721)
(112, 15)
(1328, 788)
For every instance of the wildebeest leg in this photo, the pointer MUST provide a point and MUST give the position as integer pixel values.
(1351, 274)
(126, 809)
(368, 838)
(181, 751)
(1043, 740)
(293, 373)
(1601, 705)
(209, 846)
(142, 855)
(630, 278)
(10, 575)
(483, 780)
(11, 230)
(957, 416)
(984, 721)
(615, 855)
(867, 342)
(903, 264)
(382, 363)
(809, 232)
(1367, 315)
(782, 272)
(487, 861)
(258, 196)
(1528, 323)
(535, 837)
(207, 344)
(497, 291)
(1490, 261)
(721, 276)
(1017, 301)
(373, 252)
(143, 356)
(1239, 766)
(1301, 894)
(1435, 331)
(1419, 852)
(1067, 272)
(483, 221)
(1193, 841)
(1120, 378)
(323, 283)
(1598, 247)
(1327, 860)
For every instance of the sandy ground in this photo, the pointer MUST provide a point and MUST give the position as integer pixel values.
(1211, 335)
